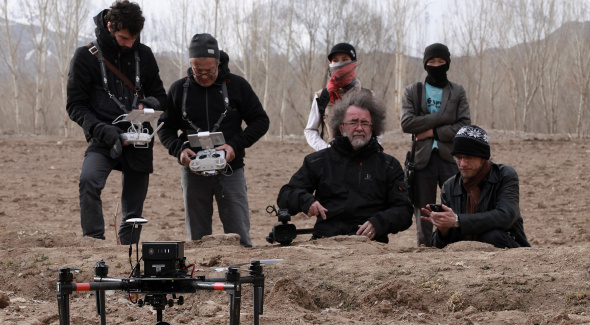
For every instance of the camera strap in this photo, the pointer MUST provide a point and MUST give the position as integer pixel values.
(185, 114)
(95, 50)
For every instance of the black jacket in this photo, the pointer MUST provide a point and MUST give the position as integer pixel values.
(205, 105)
(497, 207)
(354, 187)
(89, 104)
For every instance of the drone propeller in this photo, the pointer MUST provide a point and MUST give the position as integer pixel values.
(265, 262)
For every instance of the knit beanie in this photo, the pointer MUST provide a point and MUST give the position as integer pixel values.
(437, 50)
(203, 46)
(471, 140)
(343, 48)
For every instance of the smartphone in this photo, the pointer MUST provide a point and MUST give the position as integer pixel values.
(435, 207)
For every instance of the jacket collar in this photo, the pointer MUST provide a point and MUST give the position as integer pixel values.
(493, 177)
(343, 146)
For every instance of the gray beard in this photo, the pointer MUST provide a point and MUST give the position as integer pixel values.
(358, 143)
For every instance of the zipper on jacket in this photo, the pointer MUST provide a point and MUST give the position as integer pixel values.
(360, 174)
(207, 107)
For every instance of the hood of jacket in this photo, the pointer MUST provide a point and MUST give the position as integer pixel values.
(107, 43)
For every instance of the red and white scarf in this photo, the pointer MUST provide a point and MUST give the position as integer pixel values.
(342, 76)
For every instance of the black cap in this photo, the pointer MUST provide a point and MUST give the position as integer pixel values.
(203, 46)
(471, 140)
(437, 50)
(343, 48)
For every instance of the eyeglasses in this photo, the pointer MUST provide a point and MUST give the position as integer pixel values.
(207, 73)
(466, 159)
(364, 124)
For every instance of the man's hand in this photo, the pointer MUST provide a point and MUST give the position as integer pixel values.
(317, 209)
(367, 229)
(443, 221)
(230, 154)
(185, 156)
(424, 135)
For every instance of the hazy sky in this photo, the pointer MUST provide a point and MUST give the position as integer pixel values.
(436, 10)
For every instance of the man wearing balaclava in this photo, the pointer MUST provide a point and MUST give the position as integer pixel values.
(209, 100)
(343, 80)
(480, 203)
(432, 112)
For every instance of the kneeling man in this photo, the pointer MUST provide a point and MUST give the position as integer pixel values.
(479, 203)
(352, 187)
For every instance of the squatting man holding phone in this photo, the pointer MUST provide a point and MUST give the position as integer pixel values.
(352, 187)
(198, 103)
(480, 203)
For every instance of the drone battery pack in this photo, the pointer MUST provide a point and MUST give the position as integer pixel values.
(163, 257)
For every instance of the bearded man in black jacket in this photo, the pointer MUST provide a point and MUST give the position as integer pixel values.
(198, 103)
(352, 187)
(96, 97)
(480, 203)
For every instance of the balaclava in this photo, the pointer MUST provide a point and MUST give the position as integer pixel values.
(437, 76)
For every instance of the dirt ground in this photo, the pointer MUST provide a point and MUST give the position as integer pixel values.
(342, 280)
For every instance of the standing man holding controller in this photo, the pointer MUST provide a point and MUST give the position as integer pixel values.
(97, 95)
(210, 98)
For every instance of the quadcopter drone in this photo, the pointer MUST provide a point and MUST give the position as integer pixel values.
(165, 273)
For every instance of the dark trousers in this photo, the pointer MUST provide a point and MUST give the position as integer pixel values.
(95, 171)
(427, 179)
(498, 238)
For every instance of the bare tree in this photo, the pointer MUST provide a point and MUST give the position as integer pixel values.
(64, 42)
(402, 16)
(266, 61)
(473, 31)
(38, 11)
(580, 71)
(11, 55)
(177, 27)
(288, 55)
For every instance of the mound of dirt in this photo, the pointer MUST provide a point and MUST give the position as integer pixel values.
(340, 280)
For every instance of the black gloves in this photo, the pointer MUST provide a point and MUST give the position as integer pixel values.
(111, 135)
(150, 102)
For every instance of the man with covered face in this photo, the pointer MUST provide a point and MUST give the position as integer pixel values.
(100, 90)
(342, 72)
(433, 112)
(352, 187)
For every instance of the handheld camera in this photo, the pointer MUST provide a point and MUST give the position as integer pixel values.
(285, 232)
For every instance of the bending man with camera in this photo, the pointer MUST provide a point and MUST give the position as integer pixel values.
(480, 202)
(352, 187)
(211, 99)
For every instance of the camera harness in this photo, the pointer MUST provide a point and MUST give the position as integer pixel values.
(95, 50)
(187, 118)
